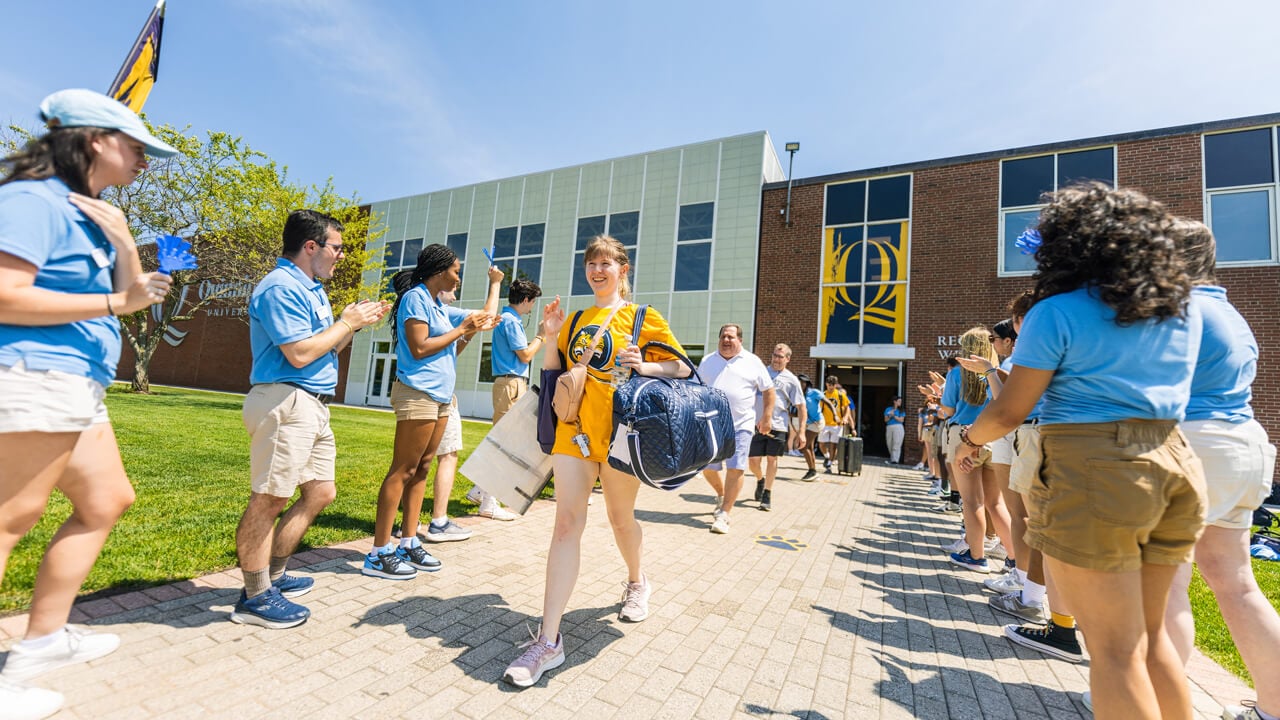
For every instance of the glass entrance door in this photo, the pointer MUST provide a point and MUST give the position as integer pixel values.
(382, 371)
(871, 389)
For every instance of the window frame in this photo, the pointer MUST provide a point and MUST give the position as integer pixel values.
(1272, 189)
(579, 256)
(709, 241)
(1002, 211)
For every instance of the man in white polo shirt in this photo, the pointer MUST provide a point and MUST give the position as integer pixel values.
(740, 374)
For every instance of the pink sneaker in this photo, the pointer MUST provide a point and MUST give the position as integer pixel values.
(540, 657)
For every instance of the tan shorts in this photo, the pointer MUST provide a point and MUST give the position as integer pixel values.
(1239, 464)
(506, 390)
(451, 441)
(1115, 496)
(291, 442)
(411, 404)
(1026, 458)
(49, 401)
(953, 443)
(926, 437)
(1002, 450)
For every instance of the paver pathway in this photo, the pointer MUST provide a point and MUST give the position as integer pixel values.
(837, 604)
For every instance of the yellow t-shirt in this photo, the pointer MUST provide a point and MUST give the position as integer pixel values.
(833, 406)
(596, 414)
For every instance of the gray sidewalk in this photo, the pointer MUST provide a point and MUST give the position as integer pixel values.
(837, 604)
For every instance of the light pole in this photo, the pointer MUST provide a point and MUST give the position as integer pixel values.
(792, 148)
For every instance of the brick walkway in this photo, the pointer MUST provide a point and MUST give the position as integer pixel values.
(863, 619)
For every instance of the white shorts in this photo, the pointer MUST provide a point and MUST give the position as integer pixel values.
(1239, 464)
(49, 401)
(451, 441)
(1002, 450)
(813, 428)
(830, 434)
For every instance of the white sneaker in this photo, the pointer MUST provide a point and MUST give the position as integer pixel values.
(721, 525)
(476, 495)
(635, 600)
(23, 702)
(492, 509)
(1004, 584)
(994, 549)
(919, 466)
(77, 645)
(959, 546)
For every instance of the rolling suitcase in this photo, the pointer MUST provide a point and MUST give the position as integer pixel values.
(849, 456)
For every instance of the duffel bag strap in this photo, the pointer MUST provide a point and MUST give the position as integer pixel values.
(679, 355)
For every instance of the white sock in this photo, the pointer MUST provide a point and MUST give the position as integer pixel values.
(440, 520)
(408, 542)
(44, 641)
(1022, 575)
(1032, 593)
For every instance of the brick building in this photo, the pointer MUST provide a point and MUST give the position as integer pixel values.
(881, 269)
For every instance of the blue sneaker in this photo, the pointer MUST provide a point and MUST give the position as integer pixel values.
(387, 565)
(293, 585)
(269, 610)
(418, 558)
(965, 560)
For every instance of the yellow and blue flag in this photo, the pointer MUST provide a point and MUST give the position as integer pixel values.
(142, 66)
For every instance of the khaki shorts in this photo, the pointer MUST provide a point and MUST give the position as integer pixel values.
(953, 443)
(1239, 464)
(411, 404)
(291, 441)
(1025, 469)
(451, 441)
(1115, 496)
(1002, 450)
(49, 401)
(926, 437)
(506, 390)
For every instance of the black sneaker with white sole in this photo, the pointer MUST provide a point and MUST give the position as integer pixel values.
(1049, 639)
(388, 565)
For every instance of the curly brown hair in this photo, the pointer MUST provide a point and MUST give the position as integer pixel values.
(1199, 250)
(1021, 303)
(1118, 242)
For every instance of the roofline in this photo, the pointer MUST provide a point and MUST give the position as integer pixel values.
(756, 133)
(1195, 128)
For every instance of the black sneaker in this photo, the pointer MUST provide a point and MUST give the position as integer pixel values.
(418, 558)
(1050, 639)
(809, 475)
(766, 498)
(387, 565)
(759, 490)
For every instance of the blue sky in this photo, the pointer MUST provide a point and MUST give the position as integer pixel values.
(399, 97)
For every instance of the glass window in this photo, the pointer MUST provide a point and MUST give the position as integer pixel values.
(1238, 158)
(531, 239)
(411, 250)
(1096, 164)
(886, 253)
(889, 198)
(1024, 180)
(846, 203)
(693, 266)
(1242, 224)
(696, 222)
(486, 363)
(588, 227)
(394, 248)
(626, 227)
(1014, 225)
(504, 242)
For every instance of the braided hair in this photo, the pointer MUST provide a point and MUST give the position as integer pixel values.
(432, 260)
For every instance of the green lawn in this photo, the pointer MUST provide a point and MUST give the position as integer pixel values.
(1211, 632)
(188, 456)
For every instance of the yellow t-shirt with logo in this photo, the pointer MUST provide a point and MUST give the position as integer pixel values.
(835, 400)
(596, 414)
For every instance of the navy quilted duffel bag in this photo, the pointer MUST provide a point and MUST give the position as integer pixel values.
(665, 430)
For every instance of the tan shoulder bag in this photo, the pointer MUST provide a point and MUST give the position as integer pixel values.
(572, 383)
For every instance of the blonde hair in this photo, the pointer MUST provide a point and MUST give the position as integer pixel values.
(976, 341)
(609, 247)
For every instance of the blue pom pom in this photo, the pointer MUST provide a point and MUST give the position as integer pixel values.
(1028, 242)
(173, 254)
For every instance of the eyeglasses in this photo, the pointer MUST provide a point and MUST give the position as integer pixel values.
(337, 248)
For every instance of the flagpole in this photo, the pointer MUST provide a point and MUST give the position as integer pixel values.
(127, 67)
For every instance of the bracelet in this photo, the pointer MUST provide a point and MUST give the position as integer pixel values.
(539, 337)
(964, 438)
(349, 325)
(110, 311)
(988, 372)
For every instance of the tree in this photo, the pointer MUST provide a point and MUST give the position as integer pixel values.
(230, 202)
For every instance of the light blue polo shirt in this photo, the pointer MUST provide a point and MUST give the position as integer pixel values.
(811, 399)
(1104, 372)
(287, 306)
(965, 413)
(507, 338)
(436, 374)
(1228, 360)
(39, 225)
(1007, 366)
(894, 416)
